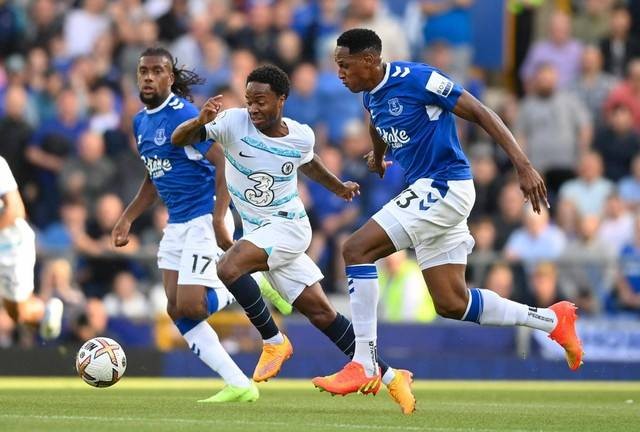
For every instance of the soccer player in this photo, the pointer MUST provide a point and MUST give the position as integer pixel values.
(17, 260)
(411, 106)
(264, 152)
(184, 178)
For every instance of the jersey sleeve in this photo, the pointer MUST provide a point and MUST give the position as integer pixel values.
(437, 89)
(7, 181)
(219, 130)
(309, 141)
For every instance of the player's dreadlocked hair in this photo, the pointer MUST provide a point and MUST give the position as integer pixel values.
(272, 75)
(183, 78)
(360, 39)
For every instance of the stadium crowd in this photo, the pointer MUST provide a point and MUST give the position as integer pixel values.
(571, 96)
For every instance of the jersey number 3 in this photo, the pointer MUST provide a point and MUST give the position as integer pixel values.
(261, 194)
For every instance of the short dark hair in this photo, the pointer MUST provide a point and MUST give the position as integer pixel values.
(183, 78)
(360, 39)
(272, 75)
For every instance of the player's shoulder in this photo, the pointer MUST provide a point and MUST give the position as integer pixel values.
(233, 115)
(300, 131)
(177, 104)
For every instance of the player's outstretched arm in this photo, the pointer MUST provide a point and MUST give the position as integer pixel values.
(319, 173)
(531, 183)
(192, 131)
(224, 238)
(145, 197)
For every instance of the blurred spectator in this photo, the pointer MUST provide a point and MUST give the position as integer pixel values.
(537, 241)
(145, 36)
(501, 280)
(125, 300)
(16, 133)
(302, 104)
(590, 189)
(616, 229)
(11, 29)
(567, 218)
(484, 252)
(57, 280)
(175, 22)
(587, 263)
(619, 47)
(89, 174)
(544, 285)
(288, 50)
(242, 63)
(553, 127)
(91, 322)
(560, 51)
(67, 234)
(594, 85)
(259, 34)
(617, 142)
(510, 212)
(403, 294)
(591, 22)
(44, 23)
(189, 48)
(627, 94)
(82, 27)
(485, 180)
(450, 22)
(629, 187)
(371, 14)
(627, 293)
(214, 67)
(104, 115)
(52, 144)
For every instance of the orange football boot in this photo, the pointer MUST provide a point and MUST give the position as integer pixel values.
(400, 390)
(271, 360)
(350, 379)
(565, 333)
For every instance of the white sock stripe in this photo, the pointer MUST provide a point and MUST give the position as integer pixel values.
(345, 332)
(259, 313)
(466, 312)
(349, 347)
(254, 303)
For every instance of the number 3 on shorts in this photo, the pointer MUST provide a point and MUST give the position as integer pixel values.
(261, 194)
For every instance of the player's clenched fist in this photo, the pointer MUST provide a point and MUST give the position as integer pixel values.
(210, 110)
(377, 166)
(120, 233)
(349, 190)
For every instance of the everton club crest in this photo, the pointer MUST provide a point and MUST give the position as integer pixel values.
(395, 108)
(160, 137)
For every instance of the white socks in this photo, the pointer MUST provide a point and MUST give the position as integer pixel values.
(274, 340)
(363, 290)
(488, 308)
(204, 343)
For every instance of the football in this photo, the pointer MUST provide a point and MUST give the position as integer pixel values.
(101, 362)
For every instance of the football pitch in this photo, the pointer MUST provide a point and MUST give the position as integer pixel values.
(155, 404)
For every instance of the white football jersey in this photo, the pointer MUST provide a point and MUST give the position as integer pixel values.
(13, 235)
(261, 171)
(7, 181)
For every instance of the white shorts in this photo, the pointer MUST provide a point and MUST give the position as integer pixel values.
(17, 261)
(431, 217)
(290, 268)
(190, 248)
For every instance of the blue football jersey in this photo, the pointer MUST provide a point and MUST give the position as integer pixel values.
(411, 110)
(183, 177)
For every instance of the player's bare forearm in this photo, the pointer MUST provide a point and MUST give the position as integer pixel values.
(379, 146)
(145, 197)
(531, 183)
(471, 109)
(317, 172)
(188, 132)
(12, 208)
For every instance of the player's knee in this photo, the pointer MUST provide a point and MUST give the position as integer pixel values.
(172, 311)
(353, 252)
(192, 310)
(227, 271)
(453, 308)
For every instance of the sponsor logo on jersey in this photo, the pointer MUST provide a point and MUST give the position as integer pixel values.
(156, 167)
(396, 138)
(160, 138)
(395, 107)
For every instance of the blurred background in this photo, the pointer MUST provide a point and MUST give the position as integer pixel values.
(563, 75)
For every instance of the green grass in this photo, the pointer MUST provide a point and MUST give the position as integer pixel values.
(67, 404)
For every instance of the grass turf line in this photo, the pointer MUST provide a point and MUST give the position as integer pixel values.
(155, 404)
